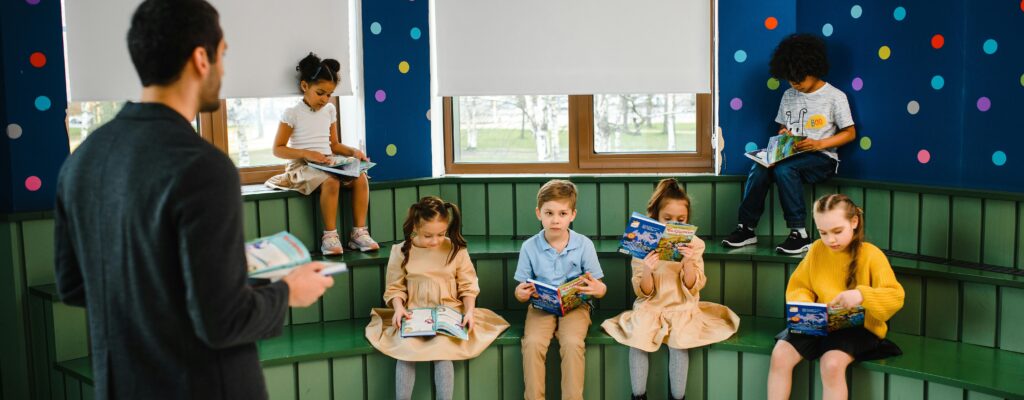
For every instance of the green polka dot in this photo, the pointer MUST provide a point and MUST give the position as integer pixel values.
(774, 83)
(1022, 79)
(865, 143)
(391, 150)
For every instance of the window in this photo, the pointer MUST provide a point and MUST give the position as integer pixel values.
(659, 123)
(84, 117)
(251, 128)
(512, 129)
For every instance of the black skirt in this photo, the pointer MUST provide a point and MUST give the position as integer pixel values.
(857, 342)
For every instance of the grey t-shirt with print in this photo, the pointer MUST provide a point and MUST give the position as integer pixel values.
(817, 115)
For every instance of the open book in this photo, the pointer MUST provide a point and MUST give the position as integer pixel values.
(431, 321)
(818, 319)
(345, 166)
(780, 147)
(558, 300)
(274, 256)
(644, 235)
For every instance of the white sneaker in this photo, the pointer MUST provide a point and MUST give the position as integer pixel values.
(362, 241)
(330, 244)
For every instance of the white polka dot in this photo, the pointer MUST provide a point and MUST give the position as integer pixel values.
(14, 131)
(913, 107)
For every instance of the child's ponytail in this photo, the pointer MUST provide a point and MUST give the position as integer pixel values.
(312, 69)
(668, 189)
(828, 203)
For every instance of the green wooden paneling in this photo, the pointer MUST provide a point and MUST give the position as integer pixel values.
(614, 209)
(474, 209)
(500, 209)
(1020, 235)
(938, 391)
(15, 312)
(345, 219)
(755, 375)
(778, 217)
(727, 204)
(510, 292)
(942, 308)
(404, 198)
(638, 195)
(422, 388)
(382, 218)
(348, 375)
(314, 380)
(380, 376)
(809, 206)
(616, 377)
(695, 376)
(273, 216)
(587, 211)
(713, 289)
(512, 386)
(430, 190)
(1000, 232)
(966, 229)
(979, 316)
(553, 372)
(250, 222)
(337, 300)
(37, 237)
(72, 388)
(39, 350)
(302, 221)
(903, 388)
(739, 286)
(485, 375)
(702, 204)
(491, 276)
(657, 374)
(801, 387)
(866, 384)
(723, 375)
(935, 225)
(368, 290)
(855, 193)
(908, 319)
(617, 275)
(771, 290)
(70, 327)
(905, 222)
(450, 193)
(305, 315)
(280, 382)
(877, 211)
(460, 391)
(981, 396)
(57, 386)
(526, 206)
(1011, 324)
(592, 379)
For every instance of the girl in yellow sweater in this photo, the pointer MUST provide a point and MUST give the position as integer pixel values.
(844, 271)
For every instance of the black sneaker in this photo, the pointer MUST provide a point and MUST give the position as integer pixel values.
(639, 397)
(794, 244)
(740, 237)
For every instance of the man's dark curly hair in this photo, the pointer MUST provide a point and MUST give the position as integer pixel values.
(798, 56)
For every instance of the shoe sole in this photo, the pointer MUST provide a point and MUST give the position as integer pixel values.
(797, 251)
(330, 253)
(747, 242)
(354, 246)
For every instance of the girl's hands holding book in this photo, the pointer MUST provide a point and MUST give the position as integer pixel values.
(359, 155)
(314, 156)
(524, 291)
(593, 287)
(651, 261)
(847, 299)
(468, 320)
(686, 250)
(401, 314)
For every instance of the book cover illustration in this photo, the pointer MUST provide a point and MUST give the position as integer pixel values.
(558, 300)
(780, 147)
(272, 257)
(818, 319)
(675, 235)
(644, 235)
(432, 321)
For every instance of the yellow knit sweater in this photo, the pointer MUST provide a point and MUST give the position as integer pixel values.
(822, 275)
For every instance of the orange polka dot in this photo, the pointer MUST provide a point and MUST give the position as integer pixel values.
(938, 41)
(771, 23)
(37, 59)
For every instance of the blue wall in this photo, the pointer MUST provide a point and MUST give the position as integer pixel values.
(949, 141)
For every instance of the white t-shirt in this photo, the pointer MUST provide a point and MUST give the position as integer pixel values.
(311, 130)
(817, 115)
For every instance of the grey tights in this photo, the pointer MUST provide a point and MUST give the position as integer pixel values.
(678, 365)
(405, 377)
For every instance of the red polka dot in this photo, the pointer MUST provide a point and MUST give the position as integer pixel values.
(1022, 5)
(771, 23)
(938, 41)
(924, 156)
(37, 59)
(33, 183)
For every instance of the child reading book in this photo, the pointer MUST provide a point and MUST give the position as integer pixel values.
(431, 268)
(554, 256)
(308, 133)
(668, 309)
(844, 271)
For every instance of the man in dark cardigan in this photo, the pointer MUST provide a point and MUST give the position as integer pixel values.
(148, 230)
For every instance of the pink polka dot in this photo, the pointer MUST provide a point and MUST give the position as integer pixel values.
(924, 156)
(380, 96)
(736, 103)
(984, 104)
(33, 183)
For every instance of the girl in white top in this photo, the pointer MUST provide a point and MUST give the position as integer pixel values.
(309, 133)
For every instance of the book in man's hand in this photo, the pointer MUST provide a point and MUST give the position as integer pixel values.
(432, 321)
(558, 300)
(275, 256)
(345, 166)
(644, 235)
(819, 319)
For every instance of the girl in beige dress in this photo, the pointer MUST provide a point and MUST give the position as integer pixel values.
(668, 308)
(431, 268)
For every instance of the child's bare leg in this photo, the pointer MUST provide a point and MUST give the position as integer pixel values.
(780, 375)
(833, 374)
(360, 200)
(329, 203)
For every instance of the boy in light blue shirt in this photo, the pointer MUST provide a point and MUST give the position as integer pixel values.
(555, 256)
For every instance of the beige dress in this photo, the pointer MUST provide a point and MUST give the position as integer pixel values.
(302, 178)
(672, 314)
(428, 280)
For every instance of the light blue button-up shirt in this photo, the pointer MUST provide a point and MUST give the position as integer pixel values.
(539, 261)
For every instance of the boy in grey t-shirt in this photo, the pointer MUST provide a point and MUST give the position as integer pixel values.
(812, 108)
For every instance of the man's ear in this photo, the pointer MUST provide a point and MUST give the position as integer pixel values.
(201, 61)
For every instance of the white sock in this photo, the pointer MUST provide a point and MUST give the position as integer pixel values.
(329, 232)
(803, 232)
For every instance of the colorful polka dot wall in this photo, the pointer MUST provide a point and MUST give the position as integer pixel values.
(32, 103)
(396, 56)
(922, 80)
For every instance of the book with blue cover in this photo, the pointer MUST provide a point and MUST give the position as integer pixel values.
(644, 235)
(274, 256)
(558, 300)
(818, 319)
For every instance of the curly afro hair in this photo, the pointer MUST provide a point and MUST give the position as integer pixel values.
(798, 56)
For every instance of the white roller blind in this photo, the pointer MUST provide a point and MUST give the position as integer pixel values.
(502, 47)
(266, 39)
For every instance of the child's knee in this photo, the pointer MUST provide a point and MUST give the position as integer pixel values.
(331, 185)
(535, 343)
(784, 357)
(572, 342)
(833, 366)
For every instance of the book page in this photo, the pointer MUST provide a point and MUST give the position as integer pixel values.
(449, 321)
(421, 323)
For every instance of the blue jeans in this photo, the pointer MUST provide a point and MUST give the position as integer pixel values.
(790, 175)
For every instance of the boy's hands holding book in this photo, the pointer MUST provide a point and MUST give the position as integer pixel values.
(401, 313)
(593, 287)
(808, 144)
(847, 299)
(306, 284)
(524, 291)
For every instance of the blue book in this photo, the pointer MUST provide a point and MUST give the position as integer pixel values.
(644, 235)
(818, 319)
(558, 300)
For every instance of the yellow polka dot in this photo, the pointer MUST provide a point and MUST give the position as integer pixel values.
(403, 67)
(884, 52)
(391, 150)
